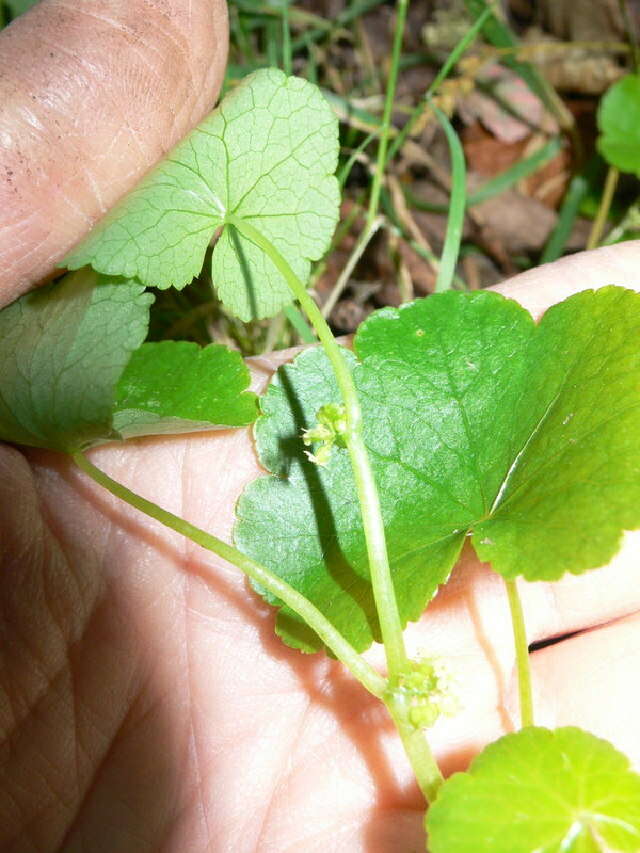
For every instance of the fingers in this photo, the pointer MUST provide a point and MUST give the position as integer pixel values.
(588, 680)
(92, 94)
(591, 680)
(469, 626)
(543, 286)
(475, 594)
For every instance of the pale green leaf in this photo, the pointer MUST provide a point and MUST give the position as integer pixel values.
(540, 791)
(73, 373)
(266, 155)
(478, 423)
(62, 349)
(176, 387)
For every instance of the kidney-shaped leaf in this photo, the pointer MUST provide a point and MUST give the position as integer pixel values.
(266, 155)
(62, 350)
(177, 386)
(562, 791)
(73, 373)
(619, 124)
(478, 423)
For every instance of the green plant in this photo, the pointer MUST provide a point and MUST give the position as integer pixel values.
(13, 8)
(617, 143)
(459, 404)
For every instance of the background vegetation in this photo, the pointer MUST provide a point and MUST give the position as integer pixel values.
(521, 82)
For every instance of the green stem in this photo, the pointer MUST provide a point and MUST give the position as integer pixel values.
(384, 594)
(287, 61)
(374, 200)
(345, 653)
(415, 744)
(603, 210)
(414, 741)
(522, 654)
(343, 279)
(451, 60)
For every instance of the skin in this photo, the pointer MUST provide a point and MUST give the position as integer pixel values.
(145, 703)
(92, 94)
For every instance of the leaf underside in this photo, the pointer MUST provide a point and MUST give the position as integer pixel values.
(62, 350)
(562, 791)
(266, 155)
(73, 372)
(478, 423)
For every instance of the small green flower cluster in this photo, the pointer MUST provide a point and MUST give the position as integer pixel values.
(330, 430)
(428, 689)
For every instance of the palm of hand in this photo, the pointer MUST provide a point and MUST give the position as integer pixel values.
(147, 704)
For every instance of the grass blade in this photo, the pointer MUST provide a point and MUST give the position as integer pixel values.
(499, 34)
(522, 169)
(555, 244)
(504, 181)
(444, 72)
(297, 320)
(457, 204)
(351, 13)
(343, 174)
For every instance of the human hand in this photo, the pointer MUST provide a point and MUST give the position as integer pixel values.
(146, 704)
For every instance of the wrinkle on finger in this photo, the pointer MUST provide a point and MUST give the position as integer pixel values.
(590, 680)
(92, 95)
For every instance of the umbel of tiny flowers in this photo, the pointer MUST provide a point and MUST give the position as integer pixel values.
(428, 688)
(330, 430)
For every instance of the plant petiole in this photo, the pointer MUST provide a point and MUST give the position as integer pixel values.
(344, 651)
(384, 594)
(522, 654)
(413, 739)
(424, 765)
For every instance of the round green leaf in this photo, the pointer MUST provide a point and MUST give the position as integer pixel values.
(173, 387)
(478, 423)
(539, 791)
(73, 372)
(267, 155)
(619, 124)
(63, 347)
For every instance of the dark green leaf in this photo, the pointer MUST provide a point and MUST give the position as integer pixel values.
(176, 387)
(18, 7)
(539, 791)
(478, 423)
(619, 124)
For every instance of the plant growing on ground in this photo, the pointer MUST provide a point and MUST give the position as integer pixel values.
(617, 143)
(477, 423)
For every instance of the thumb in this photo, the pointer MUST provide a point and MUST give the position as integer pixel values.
(92, 94)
